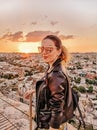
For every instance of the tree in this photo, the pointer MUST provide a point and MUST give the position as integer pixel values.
(82, 89)
(77, 80)
(90, 89)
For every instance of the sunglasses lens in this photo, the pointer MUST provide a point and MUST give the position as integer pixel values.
(46, 49)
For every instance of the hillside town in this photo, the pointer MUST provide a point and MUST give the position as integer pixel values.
(19, 72)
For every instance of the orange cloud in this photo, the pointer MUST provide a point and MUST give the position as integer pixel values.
(34, 23)
(62, 37)
(37, 36)
(16, 37)
(53, 23)
(45, 16)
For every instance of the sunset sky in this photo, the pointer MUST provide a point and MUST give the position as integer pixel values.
(23, 24)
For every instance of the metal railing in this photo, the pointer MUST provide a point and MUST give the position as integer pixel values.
(30, 108)
(6, 124)
(6, 120)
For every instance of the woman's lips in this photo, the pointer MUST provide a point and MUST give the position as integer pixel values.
(45, 57)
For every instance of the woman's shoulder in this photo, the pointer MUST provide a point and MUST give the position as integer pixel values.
(57, 78)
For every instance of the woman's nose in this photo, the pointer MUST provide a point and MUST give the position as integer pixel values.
(44, 51)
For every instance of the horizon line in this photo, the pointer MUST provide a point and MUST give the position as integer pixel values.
(38, 52)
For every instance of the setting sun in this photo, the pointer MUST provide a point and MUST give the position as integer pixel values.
(28, 47)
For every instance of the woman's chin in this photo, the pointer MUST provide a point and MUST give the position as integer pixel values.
(46, 60)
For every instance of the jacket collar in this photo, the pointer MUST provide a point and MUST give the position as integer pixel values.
(56, 63)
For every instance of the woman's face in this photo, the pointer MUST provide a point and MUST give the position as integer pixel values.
(49, 51)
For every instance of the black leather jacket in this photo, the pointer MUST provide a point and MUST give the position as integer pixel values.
(56, 96)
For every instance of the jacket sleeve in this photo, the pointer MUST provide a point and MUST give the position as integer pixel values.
(57, 85)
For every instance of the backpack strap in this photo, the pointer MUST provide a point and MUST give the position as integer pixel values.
(77, 108)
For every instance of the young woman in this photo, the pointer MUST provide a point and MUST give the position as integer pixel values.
(52, 89)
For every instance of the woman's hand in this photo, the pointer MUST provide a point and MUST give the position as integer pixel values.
(27, 93)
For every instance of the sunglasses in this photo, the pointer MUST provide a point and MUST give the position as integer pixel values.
(46, 49)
